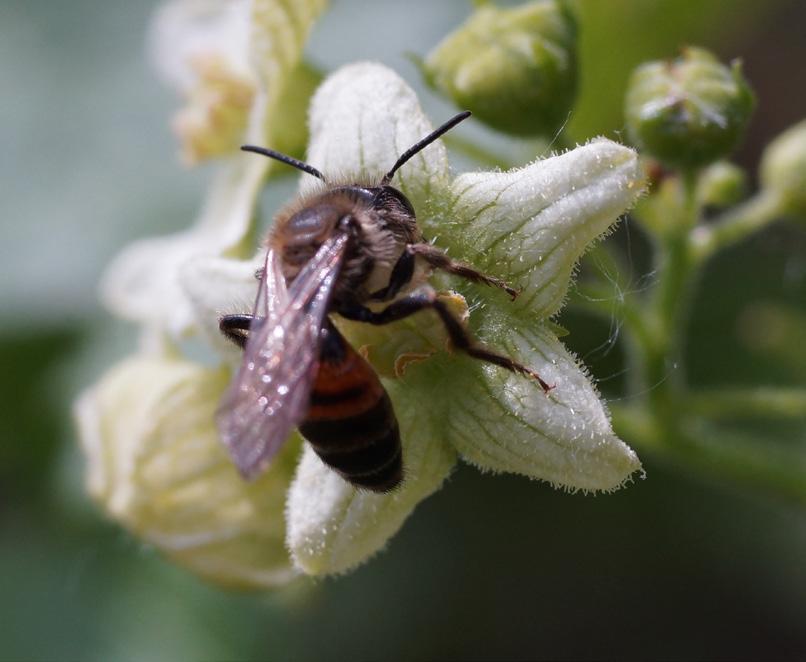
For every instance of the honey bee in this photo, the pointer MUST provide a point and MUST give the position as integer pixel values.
(335, 252)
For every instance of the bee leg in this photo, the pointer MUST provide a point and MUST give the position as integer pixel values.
(438, 259)
(401, 275)
(459, 336)
(236, 328)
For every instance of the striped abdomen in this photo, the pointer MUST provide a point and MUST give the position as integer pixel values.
(351, 424)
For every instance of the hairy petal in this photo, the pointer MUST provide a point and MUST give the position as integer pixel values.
(530, 225)
(156, 464)
(333, 527)
(362, 118)
(505, 422)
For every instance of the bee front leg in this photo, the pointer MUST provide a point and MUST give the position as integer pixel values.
(236, 328)
(461, 339)
(438, 259)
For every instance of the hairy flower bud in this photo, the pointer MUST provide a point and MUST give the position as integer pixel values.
(690, 111)
(783, 168)
(514, 68)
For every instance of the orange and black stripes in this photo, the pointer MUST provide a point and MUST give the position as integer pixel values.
(351, 423)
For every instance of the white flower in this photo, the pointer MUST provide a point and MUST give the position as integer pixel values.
(528, 226)
(234, 59)
(157, 466)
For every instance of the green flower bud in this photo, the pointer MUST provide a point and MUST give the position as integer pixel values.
(722, 184)
(783, 168)
(690, 111)
(514, 68)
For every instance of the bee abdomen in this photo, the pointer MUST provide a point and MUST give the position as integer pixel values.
(364, 448)
(350, 422)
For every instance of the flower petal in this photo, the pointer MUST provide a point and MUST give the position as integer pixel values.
(362, 118)
(156, 464)
(530, 225)
(142, 283)
(504, 421)
(279, 30)
(218, 286)
(333, 527)
(392, 348)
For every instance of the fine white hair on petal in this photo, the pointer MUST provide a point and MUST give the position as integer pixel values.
(183, 30)
(505, 422)
(532, 224)
(362, 118)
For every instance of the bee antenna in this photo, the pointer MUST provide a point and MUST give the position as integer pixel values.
(425, 142)
(278, 156)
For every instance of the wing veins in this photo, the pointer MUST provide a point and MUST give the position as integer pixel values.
(270, 392)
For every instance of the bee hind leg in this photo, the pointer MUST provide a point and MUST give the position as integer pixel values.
(461, 339)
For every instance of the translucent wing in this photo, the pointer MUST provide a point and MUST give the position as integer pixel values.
(269, 394)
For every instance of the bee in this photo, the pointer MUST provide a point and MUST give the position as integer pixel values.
(335, 252)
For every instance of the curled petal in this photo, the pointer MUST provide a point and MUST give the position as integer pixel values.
(362, 119)
(156, 464)
(333, 527)
(505, 422)
(530, 225)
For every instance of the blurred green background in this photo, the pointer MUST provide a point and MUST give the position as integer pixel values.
(677, 566)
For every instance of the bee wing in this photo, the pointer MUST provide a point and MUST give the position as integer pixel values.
(269, 394)
(272, 295)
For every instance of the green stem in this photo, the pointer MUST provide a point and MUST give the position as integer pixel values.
(664, 375)
(762, 402)
(713, 452)
(736, 224)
